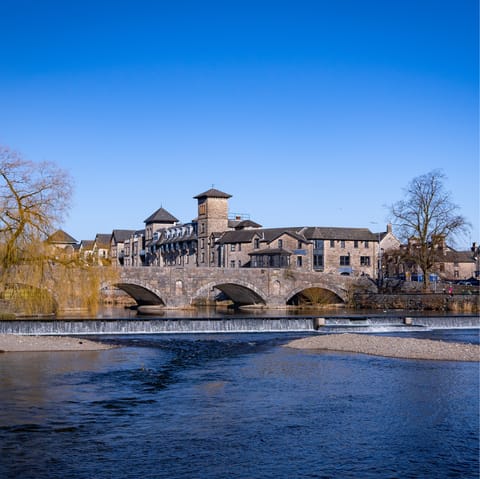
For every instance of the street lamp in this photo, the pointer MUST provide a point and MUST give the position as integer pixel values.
(380, 270)
(476, 257)
(379, 262)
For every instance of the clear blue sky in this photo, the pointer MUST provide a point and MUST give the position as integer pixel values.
(307, 112)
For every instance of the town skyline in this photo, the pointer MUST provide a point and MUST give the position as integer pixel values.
(307, 113)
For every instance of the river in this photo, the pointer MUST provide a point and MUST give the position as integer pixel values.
(237, 405)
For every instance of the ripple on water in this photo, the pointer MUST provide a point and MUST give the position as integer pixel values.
(237, 406)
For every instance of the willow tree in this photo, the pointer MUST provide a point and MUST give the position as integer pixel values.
(426, 218)
(34, 199)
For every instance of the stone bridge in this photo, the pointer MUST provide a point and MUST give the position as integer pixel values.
(181, 287)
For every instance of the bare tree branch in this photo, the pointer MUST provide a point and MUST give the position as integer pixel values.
(426, 218)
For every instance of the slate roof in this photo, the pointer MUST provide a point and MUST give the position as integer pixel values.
(87, 244)
(60, 237)
(103, 239)
(265, 234)
(247, 224)
(120, 236)
(177, 239)
(458, 257)
(212, 193)
(300, 233)
(318, 232)
(161, 216)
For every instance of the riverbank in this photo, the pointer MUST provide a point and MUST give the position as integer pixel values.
(393, 347)
(18, 343)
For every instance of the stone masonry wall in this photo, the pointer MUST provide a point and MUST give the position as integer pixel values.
(332, 257)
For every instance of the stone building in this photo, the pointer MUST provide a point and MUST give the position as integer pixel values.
(134, 249)
(117, 245)
(458, 265)
(62, 240)
(450, 265)
(175, 246)
(349, 251)
(101, 248)
(212, 218)
(256, 247)
(217, 238)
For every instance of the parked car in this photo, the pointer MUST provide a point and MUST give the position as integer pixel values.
(468, 282)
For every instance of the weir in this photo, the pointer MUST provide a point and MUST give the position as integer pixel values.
(234, 325)
(153, 326)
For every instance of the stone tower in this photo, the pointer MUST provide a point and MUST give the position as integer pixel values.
(212, 218)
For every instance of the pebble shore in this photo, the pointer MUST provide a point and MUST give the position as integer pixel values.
(16, 343)
(393, 347)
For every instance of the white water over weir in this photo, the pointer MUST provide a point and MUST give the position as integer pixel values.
(234, 325)
(152, 326)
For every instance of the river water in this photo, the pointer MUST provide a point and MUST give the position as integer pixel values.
(237, 406)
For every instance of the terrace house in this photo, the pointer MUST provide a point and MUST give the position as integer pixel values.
(101, 248)
(134, 249)
(117, 245)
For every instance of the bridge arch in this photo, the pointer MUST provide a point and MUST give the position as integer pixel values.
(337, 292)
(240, 292)
(142, 293)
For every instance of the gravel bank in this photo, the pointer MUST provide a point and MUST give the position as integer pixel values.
(13, 342)
(393, 347)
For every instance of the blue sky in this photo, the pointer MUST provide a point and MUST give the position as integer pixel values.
(307, 112)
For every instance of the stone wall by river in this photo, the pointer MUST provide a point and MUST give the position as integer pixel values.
(465, 303)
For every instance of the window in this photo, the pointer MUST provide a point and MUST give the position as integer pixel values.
(364, 260)
(367, 244)
(280, 243)
(232, 247)
(299, 244)
(342, 244)
(355, 243)
(332, 243)
(202, 227)
(203, 258)
(239, 246)
(232, 263)
(239, 264)
(344, 260)
(202, 243)
(202, 209)
(318, 261)
(318, 244)
(256, 243)
(299, 261)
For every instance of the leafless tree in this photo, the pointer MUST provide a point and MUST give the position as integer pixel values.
(426, 218)
(34, 197)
